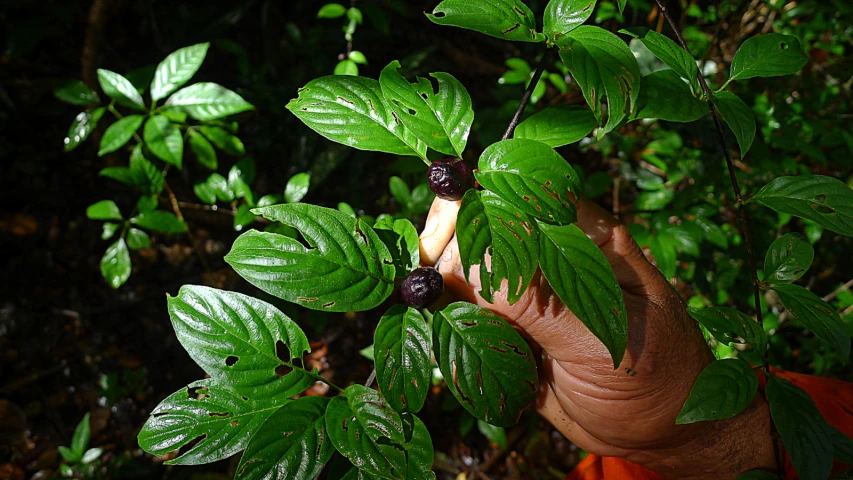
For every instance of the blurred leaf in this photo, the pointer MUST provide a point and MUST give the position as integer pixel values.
(223, 140)
(665, 96)
(104, 210)
(119, 133)
(346, 67)
(159, 221)
(81, 437)
(146, 175)
(331, 10)
(75, 92)
(208, 101)
(164, 140)
(243, 217)
(108, 230)
(202, 149)
(492, 433)
(504, 19)
(358, 57)
(91, 455)
(119, 174)
(82, 127)
(137, 239)
(654, 200)
(120, 89)
(115, 264)
(297, 187)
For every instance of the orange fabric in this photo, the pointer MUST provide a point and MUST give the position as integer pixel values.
(833, 398)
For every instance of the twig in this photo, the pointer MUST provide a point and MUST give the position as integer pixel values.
(370, 378)
(177, 209)
(525, 99)
(838, 290)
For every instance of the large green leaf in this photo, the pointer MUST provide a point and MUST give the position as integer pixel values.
(119, 133)
(120, 89)
(440, 119)
(504, 19)
(291, 445)
(401, 238)
(241, 342)
(202, 149)
(353, 111)
(768, 55)
(345, 268)
(75, 92)
(487, 365)
(603, 66)
(788, 258)
(160, 221)
(732, 327)
(208, 101)
(670, 53)
(817, 315)
(579, 273)
(557, 126)
(723, 389)
(563, 16)
(176, 70)
(402, 349)
(115, 264)
(532, 177)
(164, 140)
(82, 126)
(664, 95)
(802, 428)
(222, 420)
(487, 225)
(739, 118)
(824, 200)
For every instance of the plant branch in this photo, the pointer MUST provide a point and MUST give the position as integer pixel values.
(525, 99)
(177, 209)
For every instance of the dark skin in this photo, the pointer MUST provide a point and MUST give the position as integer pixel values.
(628, 412)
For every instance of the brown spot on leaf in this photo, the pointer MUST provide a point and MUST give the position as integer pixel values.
(511, 28)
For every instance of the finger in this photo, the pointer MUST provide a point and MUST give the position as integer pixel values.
(439, 229)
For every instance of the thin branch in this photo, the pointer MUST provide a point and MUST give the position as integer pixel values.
(525, 99)
(177, 209)
(370, 378)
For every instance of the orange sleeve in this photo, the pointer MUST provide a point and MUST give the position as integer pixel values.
(833, 398)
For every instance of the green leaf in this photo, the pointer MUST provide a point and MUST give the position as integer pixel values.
(401, 238)
(219, 186)
(240, 176)
(119, 133)
(604, 66)
(331, 10)
(670, 53)
(665, 96)
(824, 200)
(119, 174)
(176, 70)
(221, 419)
(504, 19)
(80, 439)
(769, 55)
(146, 175)
(66, 470)
(75, 92)
(147, 203)
(802, 428)
(346, 67)
(352, 111)
(532, 177)
(208, 101)
(223, 140)
(739, 118)
(713, 232)
(788, 258)
(347, 268)
(243, 217)
(654, 200)
(203, 150)
(665, 257)
(115, 264)
(120, 89)
(492, 433)
(91, 455)
(365, 430)
(358, 57)
(137, 239)
(108, 230)
(268, 200)
(442, 120)
(292, 444)
(563, 16)
(241, 342)
(82, 127)
(723, 389)
(622, 4)
(817, 315)
(403, 351)
(164, 140)
(159, 221)
(842, 445)
(732, 327)
(400, 191)
(297, 187)
(68, 455)
(205, 192)
(557, 126)
(489, 225)
(103, 210)
(581, 276)
(488, 367)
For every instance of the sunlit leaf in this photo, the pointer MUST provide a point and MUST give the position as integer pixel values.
(824, 200)
(176, 70)
(120, 89)
(208, 101)
(557, 126)
(119, 133)
(82, 127)
(504, 19)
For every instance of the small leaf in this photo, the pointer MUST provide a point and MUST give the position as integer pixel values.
(738, 117)
(769, 55)
(80, 439)
(297, 187)
(68, 455)
(563, 16)
(665, 96)
(788, 258)
(119, 174)
(115, 264)
(670, 53)
(164, 140)
(581, 276)
(137, 239)
(219, 186)
(120, 89)
(655, 200)
(817, 315)
(488, 367)
(203, 150)
(504, 19)
(108, 230)
(358, 57)
(492, 433)
(401, 238)
(663, 250)
(243, 217)
(346, 67)
(332, 10)
(402, 348)
(713, 232)
(268, 200)
(82, 127)
(223, 140)
(732, 327)
(146, 175)
(557, 126)
(147, 203)
(177, 69)
(103, 210)
(824, 200)
(159, 221)
(75, 92)
(208, 101)
(119, 133)
(723, 389)
(91, 455)
(400, 191)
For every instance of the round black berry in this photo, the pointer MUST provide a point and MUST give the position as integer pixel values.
(450, 178)
(422, 288)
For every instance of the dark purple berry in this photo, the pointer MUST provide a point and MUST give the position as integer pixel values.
(450, 178)
(422, 288)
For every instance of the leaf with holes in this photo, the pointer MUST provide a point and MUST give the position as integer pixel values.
(345, 267)
(732, 327)
(604, 66)
(581, 276)
(817, 315)
(401, 238)
(353, 111)
(678, 59)
(164, 140)
(441, 119)
(739, 118)
(769, 55)
(489, 226)
(368, 432)
(723, 389)
(221, 419)
(119, 133)
(532, 177)
(485, 362)
(824, 200)
(665, 96)
(292, 444)
(120, 89)
(82, 126)
(159, 221)
(115, 264)
(176, 70)
(208, 101)
(402, 349)
(557, 126)
(804, 432)
(788, 258)
(202, 149)
(563, 16)
(241, 342)
(504, 19)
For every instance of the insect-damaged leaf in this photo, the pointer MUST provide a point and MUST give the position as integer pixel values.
(824, 200)
(402, 349)
(788, 258)
(401, 238)
(563, 16)
(485, 362)
(732, 327)
(504, 19)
